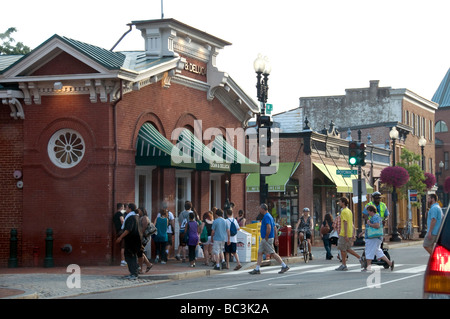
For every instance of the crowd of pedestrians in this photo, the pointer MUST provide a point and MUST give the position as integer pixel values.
(213, 236)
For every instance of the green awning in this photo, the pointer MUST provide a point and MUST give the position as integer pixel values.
(343, 184)
(277, 182)
(239, 162)
(189, 152)
(153, 148)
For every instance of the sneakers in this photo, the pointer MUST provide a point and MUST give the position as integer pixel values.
(123, 263)
(342, 268)
(283, 269)
(255, 272)
(258, 272)
(216, 267)
(131, 277)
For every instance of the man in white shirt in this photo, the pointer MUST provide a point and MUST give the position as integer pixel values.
(231, 249)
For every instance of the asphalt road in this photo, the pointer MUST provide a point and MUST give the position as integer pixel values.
(314, 280)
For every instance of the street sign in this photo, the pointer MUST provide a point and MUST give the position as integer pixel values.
(346, 172)
(412, 195)
(269, 108)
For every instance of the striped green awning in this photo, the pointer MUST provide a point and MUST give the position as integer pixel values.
(154, 149)
(239, 162)
(189, 152)
(277, 182)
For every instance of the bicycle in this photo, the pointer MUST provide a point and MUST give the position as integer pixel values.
(305, 248)
(407, 231)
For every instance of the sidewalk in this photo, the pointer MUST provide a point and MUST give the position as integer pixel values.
(49, 283)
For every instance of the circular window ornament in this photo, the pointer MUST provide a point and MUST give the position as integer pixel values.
(66, 148)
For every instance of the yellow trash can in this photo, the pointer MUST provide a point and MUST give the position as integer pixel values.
(255, 230)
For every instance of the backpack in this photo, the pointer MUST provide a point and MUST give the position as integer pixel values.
(233, 229)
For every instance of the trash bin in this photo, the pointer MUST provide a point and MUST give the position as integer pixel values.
(244, 246)
(255, 230)
(285, 238)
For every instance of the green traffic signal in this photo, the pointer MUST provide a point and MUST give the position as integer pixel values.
(353, 153)
(357, 153)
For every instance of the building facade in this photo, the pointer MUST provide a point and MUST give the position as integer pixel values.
(334, 121)
(83, 128)
(442, 122)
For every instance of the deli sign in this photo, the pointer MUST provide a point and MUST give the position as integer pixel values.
(194, 68)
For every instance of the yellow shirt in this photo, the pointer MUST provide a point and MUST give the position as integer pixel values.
(346, 215)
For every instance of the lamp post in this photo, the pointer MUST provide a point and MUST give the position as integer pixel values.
(393, 134)
(262, 68)
(227, 200)
(441, 192)
(422, 143)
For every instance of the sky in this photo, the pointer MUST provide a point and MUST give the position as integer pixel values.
(316, 47)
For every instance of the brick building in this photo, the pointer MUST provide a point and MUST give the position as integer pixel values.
(83, 128)
(442, 122)
(373, 111)
(308, 176)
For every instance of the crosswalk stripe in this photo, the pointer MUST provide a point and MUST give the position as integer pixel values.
(311, 268)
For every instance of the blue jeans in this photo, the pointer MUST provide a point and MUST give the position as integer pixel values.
(327, 245)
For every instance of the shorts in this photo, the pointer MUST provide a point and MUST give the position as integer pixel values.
(427, 242)
(307, 235)
(182, 241)
(231, 248)
(266, 247)
(169, 239)
(343, 244)
(373, 248)
(218, 247)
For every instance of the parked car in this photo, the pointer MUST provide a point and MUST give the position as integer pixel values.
(437, 274)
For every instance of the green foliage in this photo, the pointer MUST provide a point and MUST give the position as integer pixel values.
(409, 161)
(6, 44)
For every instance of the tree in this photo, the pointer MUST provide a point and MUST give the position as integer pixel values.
(416, 181)
(6, 44)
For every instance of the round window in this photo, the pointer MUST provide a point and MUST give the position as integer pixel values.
(66, 148)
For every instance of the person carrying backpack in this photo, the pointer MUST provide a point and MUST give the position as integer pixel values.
(231, 249)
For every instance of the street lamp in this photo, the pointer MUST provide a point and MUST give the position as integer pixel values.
(393, 134)
(227, 200)
(440, 188)
(422, 143)
(262, 68)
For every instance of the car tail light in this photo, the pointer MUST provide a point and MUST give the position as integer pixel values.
(437, 276)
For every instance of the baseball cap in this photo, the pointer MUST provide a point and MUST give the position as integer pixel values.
(306, 209)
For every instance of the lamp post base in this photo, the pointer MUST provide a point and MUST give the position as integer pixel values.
(395, 237)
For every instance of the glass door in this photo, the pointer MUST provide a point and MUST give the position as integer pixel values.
(183, 191)
(143, 188)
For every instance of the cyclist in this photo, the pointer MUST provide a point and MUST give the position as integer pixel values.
(304, 227)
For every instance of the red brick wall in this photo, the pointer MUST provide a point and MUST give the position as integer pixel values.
(77, 203)
(11, 148)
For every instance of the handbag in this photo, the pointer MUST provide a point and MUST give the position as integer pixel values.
(204, 235)
(374, 232)
(325, 229)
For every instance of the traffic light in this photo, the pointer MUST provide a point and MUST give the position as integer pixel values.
(265, 130)
(362, 154)
(357, 154)
(353, 153)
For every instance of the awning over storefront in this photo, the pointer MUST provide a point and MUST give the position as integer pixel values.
(277, 182)
(343, 184)
(154, 149)
(189, 152)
